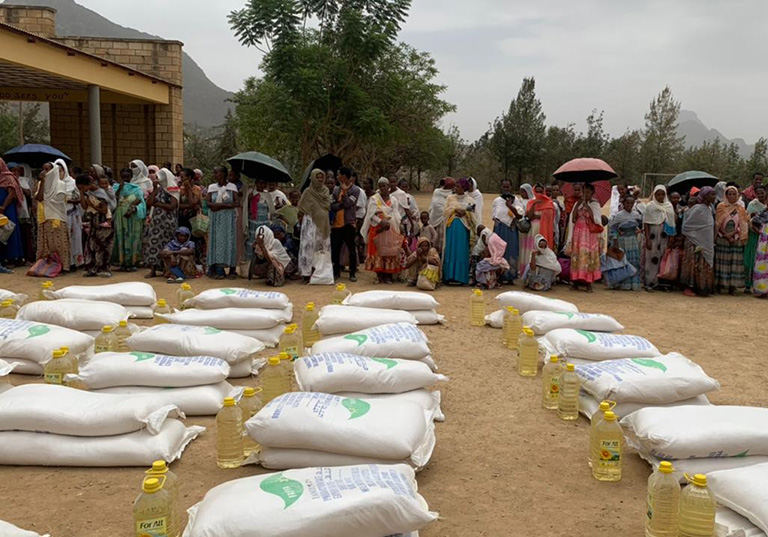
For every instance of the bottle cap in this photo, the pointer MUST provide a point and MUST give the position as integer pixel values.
(59, 353)
(310, 306)
(605, 406)
(158, 467)
(665, 467)
(186, 286)
(510, 309)
(288, 329)
(47, 283)
(274, 360)
(161, 302)
(6, 303)
(123, 323)
(284, 356)
(341, 287)
(527, 331)
(229, 401)
(609, 415)
(107, 328)
(151, 484)
(554, 359)
(700, 480)
(250, 391)
(478, 292)
(569, 367)
(65, 349)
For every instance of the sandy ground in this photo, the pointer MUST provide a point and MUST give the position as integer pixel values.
(503, 465)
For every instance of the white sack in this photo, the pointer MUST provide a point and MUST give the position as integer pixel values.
(744, 491)
(394, 300)
(427, 317)
(238, 297)
(428, 400)
(74, 314)
(24, 367)
(270, 337)
(57, 409)
(139, 448)
(335, 319)
(650, 381)
(127, 293)
(18, 298)
(284, 459)
(110, 369)
(132, 328)
(390, 430)
(374, 501)
(707, 465)
(9, 530)
(242, 369)
(588, 405)
(192, 401)
(525, 302)
(698, 431)
(37, 341)
(598, 346)
(495, 319)
(182, 340)
(334, 372)
(399, 340)
(141, 312)
(231, 318)
(542, 322)
(729, 523)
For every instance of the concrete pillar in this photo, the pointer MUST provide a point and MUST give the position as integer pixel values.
(94, 122)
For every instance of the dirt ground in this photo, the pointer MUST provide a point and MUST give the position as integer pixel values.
(503, 465)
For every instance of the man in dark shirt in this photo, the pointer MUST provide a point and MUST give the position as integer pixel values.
(343, 231)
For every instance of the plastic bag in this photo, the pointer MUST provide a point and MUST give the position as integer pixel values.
(323, 269)
(670, 265)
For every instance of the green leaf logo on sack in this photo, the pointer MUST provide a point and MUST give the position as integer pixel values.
(591, 338)
(387, 362)
(360, 338)
(287, 489)
(742, 454)
(228, 291)
(356, 407)
(209, 331)
(37, 330)
(648, 362)
(141, 356)
(569, 315)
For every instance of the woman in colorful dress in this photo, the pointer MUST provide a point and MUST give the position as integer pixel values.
(526, 238)
(190, 205)
(381, 229)
(315, 206)
(760, 272)
(222, 234)
(52, 234)
(697, 269)
(11, 199)
(505, 215)
(163, 219)
(460, 230)
(543, 267)
(659, 221)
(129, 222)
(99, 204)
(755, 207)
(140, 176)
(258, 210)
(584, 240)
(540, 212)
(731, 234)
(74, 215)
(625, 232)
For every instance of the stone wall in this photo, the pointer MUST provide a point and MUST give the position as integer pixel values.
(33, 19)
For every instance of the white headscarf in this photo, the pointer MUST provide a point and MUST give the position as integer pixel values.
(657, 213)
(168, 181)
(477, 196)
(54, 204)
(69, 183)
(437, 206)
(545, 257)
(276, 250)
(141, 176)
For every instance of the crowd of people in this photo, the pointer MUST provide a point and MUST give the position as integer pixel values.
(177, 225)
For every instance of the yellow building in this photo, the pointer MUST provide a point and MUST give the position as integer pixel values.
(111, 100)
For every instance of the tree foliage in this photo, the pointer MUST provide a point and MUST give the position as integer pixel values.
(662, 147)
(35, 127)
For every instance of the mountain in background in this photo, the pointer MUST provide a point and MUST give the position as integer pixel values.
(204, 102)
(696, 133)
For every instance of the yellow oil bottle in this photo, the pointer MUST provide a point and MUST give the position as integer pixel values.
(606, 464)
(550, 382)
(515, 329)
(339, 294)
(697, 509)
(7, 311)
(477, 308)
(310, 335)
(595, 420)
(106, 341)
(160, 469)
(568, 397)
(183, 294)
(61, 363)
(663, 504)
(229, 435)
(152, 509)
(45, 286)
(290, 341)
(250, 403)
(161, 307)
(122, 333)
(275, 380)
(528, 354)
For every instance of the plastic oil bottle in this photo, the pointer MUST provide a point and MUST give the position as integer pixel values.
(528, 354)
(184, 293)
(505, 325)
(7, 311)
(152, 509)
(229, 435)
(568, 397)
(477, 308)
(274, 379)
(45, 286)
(339, 294)
(310, 334)
(697, 508)
(606, 465)
(161, 307)
(596, 419)
(515, 329)
(160, 469)
(663, 502)
(122, 333)
(550, 383)
(249, 405)
(61, 363)
(106, 341)
(290, 341)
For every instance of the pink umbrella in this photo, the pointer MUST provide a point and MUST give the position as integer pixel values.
(585, 170)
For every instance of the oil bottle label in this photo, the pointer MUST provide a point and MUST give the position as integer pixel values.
(53, 378)
(292, 351)
(554, 387)
(155, 527)
(610, 452)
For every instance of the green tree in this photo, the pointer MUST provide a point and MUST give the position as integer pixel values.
(758, 162)
(623, 154)
(560, 146)
(595, 142)
(662, 147)
(35, 126)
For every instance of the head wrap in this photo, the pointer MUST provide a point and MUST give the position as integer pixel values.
(706, 191)
(657, 213)
(382, 181)
(176, 245)
(449, 183)
(316, 202)
(277, 254)
(8, 180)
(528, 189)
(464, 183)
(545, 257)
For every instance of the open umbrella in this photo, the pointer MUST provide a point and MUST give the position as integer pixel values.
(683, 182)
(602, 190)
(585, 170)
(325, 163)
(35, 154)
(260, 166)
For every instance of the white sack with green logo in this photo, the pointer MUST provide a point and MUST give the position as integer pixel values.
(597, 346)
(426, 399)
(192, 401)
(347, 501)
(126, 294)
(109, 369)
(394, 300)
(57, 409)
(269, 336)
(182, 340)
(542, 322)
(332, 372)
(397, 340)
(139, 448)
(74, 313)
(238, 297)
(387, 430)
(659, 380)
(684, 432)
(37, 341)
(525, 302)
(588, 405)
(744, 491)
(335, 319)
(231, 318)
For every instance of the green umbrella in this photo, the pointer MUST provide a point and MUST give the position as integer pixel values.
(260, 166)
(685, 181)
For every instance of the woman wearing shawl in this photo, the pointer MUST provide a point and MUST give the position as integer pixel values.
(525, 238)
(52, 234)
(731, 233)
(583, 241)
(505, 214)
(163, 220)
(425, 262)
(314, 205)
(460, 228)
(140, 176)
(437, 210)
(381, 229)
(179, 256)
(74, 215)
(222, 233)
(410, 209)
(624, 233)
(190, 205)
(128, 222)
(153, 172)
(659, 221)
(11, 198)
(491, 267)
(543, 267)
(541, 213)
(477, 197)
(26, 213)
(697, 269)
(271, 261)
(760, 270)
(755, 207)
(99, 203)
(258, 210)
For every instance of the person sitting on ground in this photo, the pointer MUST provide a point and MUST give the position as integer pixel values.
(270, 259)
(479, 250)
(427, 231)
(492, 265)
(179, 257)
(423, 266)
(543, 268)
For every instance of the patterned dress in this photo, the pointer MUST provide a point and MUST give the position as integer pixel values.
(628, 239)
(222, 238)
(585, 249)
(159, 231)
(652, 257)
(760, 275)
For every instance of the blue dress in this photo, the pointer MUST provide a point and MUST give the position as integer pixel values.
(456, 253)
(510, 236)
(13, 250)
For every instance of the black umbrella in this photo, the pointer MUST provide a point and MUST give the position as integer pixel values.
(260, 166)
(35, 155)
(685, 181)
(325, 163)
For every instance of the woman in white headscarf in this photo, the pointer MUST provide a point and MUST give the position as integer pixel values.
(437, 210)
(141, 177)
(543, 266)
(52, 234)
(163, 220)
(583, 242)
(477, 197)
(270, 259)
(659, 223)
(381, 232)
(74, 216)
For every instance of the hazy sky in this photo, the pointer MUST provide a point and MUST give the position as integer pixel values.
(606, 54)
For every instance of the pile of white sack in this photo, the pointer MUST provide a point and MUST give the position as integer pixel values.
(743, 493)
(9, 530)
(29, 345)
(88, 316)
(48, 425)
(423, 306)
(18, 298)
(137, 297)
(195, 384)
(525, 302)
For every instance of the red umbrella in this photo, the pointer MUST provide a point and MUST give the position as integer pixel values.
(602, 191)
(585, 170)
